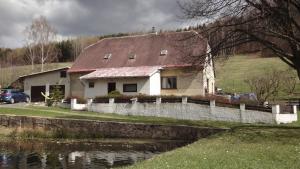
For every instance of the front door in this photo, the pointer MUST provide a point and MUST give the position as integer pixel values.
(111, 87)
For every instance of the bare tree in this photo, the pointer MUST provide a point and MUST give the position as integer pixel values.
(270, 83)
(290, 82)
(266, 85)
(275, 24)
(39, 41)
(30, 55)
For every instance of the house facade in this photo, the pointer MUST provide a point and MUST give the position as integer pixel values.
(152, 64)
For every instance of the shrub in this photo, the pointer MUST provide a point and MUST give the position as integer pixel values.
(114, 94)
(101, 99)
(79, 100)
(49, 102)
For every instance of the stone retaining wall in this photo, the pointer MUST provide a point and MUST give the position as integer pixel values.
(111, 129)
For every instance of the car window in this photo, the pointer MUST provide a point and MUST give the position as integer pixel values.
(4, 91)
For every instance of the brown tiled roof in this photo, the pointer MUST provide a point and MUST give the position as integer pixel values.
(142, 71)
(44, 72)
(147, 49)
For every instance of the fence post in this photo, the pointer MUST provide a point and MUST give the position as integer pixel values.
(275, 109)
(111, 100)
(158, 100)
(184, 100)
(73, 103)
(276, 112)
(295, 109)
(89, 103)
(134, 100)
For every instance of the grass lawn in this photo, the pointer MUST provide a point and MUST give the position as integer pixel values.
(244, 146)
(231, 73)
(250, 147)
(66, 113)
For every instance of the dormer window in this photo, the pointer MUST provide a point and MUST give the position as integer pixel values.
(107, 56)
(131, 56)
(163, 52)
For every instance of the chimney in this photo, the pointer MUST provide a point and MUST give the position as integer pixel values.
(153, 29)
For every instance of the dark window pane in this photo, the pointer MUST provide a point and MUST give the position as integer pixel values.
(129, 87)
(168, 83)
(63, 74)
(91, 84)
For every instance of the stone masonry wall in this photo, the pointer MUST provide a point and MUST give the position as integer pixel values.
(111, 129)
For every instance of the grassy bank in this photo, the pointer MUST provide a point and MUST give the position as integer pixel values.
(250, 147)
(68, 114)
(232, 73)
(253, 147)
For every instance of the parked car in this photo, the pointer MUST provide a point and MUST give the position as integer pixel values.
(245, 96)
(13, 96)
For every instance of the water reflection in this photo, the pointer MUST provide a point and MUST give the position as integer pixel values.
(78, 155)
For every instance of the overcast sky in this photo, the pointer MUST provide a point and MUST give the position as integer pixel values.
(87, 17)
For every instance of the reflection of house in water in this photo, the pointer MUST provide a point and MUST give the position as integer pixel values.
(107, 158)
(77, 159)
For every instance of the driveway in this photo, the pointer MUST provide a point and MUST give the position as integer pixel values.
(14, 105)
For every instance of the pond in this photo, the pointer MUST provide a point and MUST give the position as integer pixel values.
(37, 154)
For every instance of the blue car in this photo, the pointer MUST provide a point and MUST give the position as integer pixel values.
(13, 96)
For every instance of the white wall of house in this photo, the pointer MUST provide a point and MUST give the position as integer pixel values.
(155, 84)
(100, 86)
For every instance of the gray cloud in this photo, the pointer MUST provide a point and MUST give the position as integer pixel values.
(86, 17)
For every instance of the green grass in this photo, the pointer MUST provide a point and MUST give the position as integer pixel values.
(68, 114)
(10, 74)
(232, 73)
(250, 147)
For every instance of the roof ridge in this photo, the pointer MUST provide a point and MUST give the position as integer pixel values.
(47, 71)
(138, 35)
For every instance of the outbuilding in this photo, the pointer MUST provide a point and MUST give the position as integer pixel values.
(44, 82)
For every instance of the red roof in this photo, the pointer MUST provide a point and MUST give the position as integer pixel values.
(146, 48)
(143, 71)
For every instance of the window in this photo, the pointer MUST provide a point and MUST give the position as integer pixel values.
(63, 74)
(91, 84)
(169, 83)
(129, 87)
(163, 52)
(107, 56)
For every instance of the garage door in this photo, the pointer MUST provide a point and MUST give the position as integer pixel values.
(36, 95)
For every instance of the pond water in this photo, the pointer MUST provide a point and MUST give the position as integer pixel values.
(36, 154)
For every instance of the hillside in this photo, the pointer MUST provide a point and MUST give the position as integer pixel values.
(10, 74)
(232, 73)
